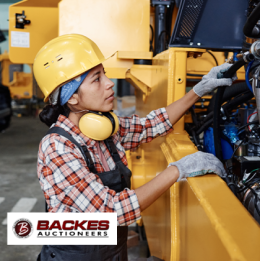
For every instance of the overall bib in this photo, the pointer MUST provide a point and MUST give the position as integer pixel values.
(117, 180)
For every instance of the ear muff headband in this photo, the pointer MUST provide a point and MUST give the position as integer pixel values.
(111, 118)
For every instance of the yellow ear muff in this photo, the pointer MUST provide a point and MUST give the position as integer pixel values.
(99, 126)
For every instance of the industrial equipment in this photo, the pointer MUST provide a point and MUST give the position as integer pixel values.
(19, 82)
(163, 49)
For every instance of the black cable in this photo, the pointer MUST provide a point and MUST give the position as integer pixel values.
(204, 126)
(244, 188)
(230, 92)
(251, 22)
(238, 100)
(151, 41)
(253, 122)
(196, 140)
(253, 176)
(193, 116)
(152, 33)
(231, 185)
(159, 38)
(214, 57)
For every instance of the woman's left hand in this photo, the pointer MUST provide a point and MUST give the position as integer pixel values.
(212, 80)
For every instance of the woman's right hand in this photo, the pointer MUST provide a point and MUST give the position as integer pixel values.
(197, 164)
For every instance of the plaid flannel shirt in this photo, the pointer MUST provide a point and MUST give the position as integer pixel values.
(66, 181)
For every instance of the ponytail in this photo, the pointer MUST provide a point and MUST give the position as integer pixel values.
(50, 113)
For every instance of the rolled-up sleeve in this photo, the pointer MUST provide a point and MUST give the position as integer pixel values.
(69, 186)
(135, 130)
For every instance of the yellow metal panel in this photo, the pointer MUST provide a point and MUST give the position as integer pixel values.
(177, 78)
(232, 223)
(5, 63)
(22, 85)
(116, 73)
(43, 27)
(148, 161)
(113, 25)
(137, 83)
(144, 73)
(134, 55)
(38, 3)
(198, 238)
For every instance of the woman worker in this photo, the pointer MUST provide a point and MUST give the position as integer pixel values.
(81, 167)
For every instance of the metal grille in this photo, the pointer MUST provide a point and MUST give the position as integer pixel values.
(190, 17)
(191, 10)
(210, 24)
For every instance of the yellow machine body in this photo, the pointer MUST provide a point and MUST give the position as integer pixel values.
(196, 219)
(21, 84)
(25, 43)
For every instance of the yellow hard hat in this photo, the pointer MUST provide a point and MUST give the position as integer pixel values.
(64, 58)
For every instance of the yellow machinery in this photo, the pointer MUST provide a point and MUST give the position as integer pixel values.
(199, 218)
(21, 84)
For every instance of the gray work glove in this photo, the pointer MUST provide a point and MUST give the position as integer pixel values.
(198, 164)
(212, 80)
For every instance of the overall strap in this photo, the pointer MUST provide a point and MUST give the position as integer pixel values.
(83, 149)
(112, 149)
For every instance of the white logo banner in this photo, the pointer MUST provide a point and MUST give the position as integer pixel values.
(61, 228)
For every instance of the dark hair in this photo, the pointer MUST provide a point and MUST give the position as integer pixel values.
(50, 113)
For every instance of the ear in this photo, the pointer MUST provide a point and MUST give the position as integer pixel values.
(74, 99)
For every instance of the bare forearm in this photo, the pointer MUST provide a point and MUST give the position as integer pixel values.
(152, 190)
(177, 109)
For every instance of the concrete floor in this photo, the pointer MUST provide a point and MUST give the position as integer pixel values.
(18, 179)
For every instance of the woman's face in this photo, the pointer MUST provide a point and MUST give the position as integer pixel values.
(95, 93)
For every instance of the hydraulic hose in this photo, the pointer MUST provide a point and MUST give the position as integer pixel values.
(217, 116)
(234, 103)
(251, 22)
(248, 95)
(196, 141)
(230, 92)
(195, 138)
(204, 126)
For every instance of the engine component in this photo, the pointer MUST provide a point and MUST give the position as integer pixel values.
(243, 114)
(240, 148)
(251, 201)
(253, 147)
(245, 164)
